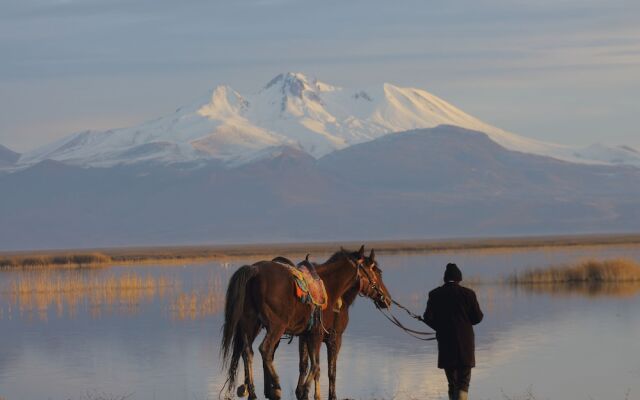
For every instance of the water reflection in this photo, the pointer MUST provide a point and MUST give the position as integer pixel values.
(585, 289)
(38, 292)
(65, 293)
(199, 303)
(154, 332)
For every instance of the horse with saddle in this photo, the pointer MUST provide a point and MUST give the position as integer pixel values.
(307, 300)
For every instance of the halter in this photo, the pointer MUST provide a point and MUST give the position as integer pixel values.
(426, 336)
(372, 285)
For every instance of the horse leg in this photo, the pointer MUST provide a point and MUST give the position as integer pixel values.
(303, 367)
(333, 348)
(247, 358)
(313, 347)
(268, 346)
(268, 382)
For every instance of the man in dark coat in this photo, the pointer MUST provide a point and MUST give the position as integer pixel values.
(452, 310)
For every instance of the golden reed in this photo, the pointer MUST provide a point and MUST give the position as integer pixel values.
(37, 292)
(590, 278)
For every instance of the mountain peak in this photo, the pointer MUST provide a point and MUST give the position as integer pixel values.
(295, 84)
(292, 109)
(288, 79)
(224, 102)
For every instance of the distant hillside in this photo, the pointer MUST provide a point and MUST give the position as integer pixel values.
(440, 182)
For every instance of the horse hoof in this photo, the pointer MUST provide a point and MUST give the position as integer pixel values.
(277, 394)
(302, 394)
(242, 391)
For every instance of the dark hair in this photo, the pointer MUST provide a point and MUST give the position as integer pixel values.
(452, 273)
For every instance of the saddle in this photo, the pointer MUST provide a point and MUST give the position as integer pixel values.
(309, 287)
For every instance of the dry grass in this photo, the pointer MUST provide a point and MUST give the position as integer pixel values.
(198, 304)
(182, 254)
(587, 271)
(61, 260)
(590, 278)
(37, 292)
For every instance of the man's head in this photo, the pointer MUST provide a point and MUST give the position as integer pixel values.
(452, 273)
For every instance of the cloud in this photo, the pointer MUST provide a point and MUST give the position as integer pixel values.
(414, 43)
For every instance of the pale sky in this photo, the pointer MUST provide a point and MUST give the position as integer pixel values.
(566, 71)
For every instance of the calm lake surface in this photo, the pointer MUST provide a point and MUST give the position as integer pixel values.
(153, 332)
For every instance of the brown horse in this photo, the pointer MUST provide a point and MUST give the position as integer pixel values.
(336, 319)
(262, 295)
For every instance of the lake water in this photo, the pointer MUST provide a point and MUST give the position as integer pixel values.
(153, 332)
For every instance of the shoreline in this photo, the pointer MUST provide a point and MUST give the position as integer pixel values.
(97, 257)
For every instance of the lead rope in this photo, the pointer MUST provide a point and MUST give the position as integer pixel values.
(426, 336)
(412, 315)
(392, 318)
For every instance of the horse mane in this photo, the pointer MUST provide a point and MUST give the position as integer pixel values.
(343, 253)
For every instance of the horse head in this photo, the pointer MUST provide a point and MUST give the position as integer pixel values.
(371, 283)
(369, 277)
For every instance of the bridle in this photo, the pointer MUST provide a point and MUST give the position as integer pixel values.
(371, 287)
(379, 295)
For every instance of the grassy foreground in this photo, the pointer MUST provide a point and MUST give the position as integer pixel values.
(181, 254)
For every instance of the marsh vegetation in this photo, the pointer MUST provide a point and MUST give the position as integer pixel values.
(591, 278)
(585, 271)
(154, 331)
(184, 254)
(36, 293)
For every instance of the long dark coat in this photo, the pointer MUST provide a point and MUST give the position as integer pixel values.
(452, 310)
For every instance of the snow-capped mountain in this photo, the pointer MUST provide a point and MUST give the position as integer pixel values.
(291, 110)
(439, 182)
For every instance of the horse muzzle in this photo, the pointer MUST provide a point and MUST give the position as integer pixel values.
(383, 301)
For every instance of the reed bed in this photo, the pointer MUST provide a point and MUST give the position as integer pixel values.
(39, 292)
(182, 254)
(586, 271)
(199, 303)
(59, 260)
(587, 278)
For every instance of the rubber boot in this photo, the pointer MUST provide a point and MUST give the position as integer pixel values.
(462, 395)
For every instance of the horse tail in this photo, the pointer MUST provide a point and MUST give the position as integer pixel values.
(232, 337)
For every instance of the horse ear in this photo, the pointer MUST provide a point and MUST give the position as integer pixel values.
(372, 256)
(361, 251)
(307, 257)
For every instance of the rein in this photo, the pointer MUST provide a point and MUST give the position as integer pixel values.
(420, 335)
(426, 336)
(412, 315)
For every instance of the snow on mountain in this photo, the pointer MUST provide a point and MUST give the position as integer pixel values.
(294, 111)
(440, 182)
(610, 155)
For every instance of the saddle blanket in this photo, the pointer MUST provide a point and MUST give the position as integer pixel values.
(309, 289)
